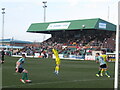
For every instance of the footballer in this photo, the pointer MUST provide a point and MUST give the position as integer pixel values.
(103, 65)
(20, 69)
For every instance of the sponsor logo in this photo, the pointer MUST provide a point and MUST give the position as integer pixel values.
(64, 25)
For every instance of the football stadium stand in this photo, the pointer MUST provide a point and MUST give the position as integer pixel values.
(81, 37)
(90, 33)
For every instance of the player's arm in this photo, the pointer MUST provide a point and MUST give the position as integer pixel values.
(107, 59)
(96, 60)
(17, 65)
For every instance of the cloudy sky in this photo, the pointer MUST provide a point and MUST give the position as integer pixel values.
(21, 13)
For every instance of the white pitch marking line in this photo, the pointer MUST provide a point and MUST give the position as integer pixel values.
(55, 82)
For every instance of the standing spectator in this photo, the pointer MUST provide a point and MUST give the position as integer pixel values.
(33, 53)
(44, 53)
(2, 56)
(84, 53)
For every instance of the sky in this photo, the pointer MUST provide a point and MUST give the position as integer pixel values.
(20, 14)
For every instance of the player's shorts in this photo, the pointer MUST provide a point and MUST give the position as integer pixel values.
(103, 66)
(20, 70)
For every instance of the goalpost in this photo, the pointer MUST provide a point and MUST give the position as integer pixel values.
(117, 50)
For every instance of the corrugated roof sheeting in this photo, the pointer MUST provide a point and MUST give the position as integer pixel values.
(96, 23)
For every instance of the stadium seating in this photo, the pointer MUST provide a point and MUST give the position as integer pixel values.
(89, 41)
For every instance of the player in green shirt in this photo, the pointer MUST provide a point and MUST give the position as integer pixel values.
(20, 69)
(100, 60)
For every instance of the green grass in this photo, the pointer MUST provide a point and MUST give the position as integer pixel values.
(73, 74)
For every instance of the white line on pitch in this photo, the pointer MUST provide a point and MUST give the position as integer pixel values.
(54, 82)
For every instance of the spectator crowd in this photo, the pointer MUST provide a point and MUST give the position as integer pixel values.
(77, 43)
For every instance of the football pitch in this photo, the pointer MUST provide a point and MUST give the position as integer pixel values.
(73, 74)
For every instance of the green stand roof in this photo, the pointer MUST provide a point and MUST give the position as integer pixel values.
(85, 24)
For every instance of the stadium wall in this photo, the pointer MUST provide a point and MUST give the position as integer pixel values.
(72, 57)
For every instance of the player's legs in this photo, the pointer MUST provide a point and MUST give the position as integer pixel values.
(20, 70)
(99, 72)
(25, 74)
(57, 68)
(24, 78)
(57, 65)
(105, 67)
(106, 72)
(102, 69)
(2, 59)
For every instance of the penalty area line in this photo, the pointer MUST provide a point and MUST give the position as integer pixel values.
(11, 86)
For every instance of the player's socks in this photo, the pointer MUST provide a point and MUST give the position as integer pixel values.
(107, 74)
(98, 74)
(26, 76)
(57, 70)
(101, 73)
(23, 76)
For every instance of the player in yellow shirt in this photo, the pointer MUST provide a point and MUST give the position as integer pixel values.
(103, 54)
(57, 59)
